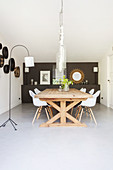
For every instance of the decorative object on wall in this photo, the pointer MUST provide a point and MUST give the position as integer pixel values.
(0, 46)
(11, 67)
(26, 70)
(3, 57)
(95, 69)
(61, 57)
(1, 61)
(17, 71)
(32, 81)
(12, 64)
(45, 77)
(6, 68)
(5, 52)
(35, 83)
(77, 76)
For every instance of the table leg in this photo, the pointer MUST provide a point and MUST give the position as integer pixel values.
(63, 111)
(63, 114)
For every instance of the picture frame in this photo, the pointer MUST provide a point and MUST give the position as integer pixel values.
(44, 77)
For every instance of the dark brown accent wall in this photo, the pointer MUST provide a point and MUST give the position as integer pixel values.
(87, 68)
(34, 73)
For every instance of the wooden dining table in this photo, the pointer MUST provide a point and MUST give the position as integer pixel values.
(67, 101)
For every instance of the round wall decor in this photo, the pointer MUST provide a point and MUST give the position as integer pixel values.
(6, 68)
(77, 76)
(5, 52)
(11, 64)
(0, 46)
(17, 71)
(1, 61)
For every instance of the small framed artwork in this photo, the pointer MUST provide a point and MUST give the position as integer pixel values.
(45, 77)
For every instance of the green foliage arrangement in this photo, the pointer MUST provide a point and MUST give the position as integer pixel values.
(65, 82)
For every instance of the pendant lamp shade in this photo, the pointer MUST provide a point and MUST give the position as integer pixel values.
(61, 56)
(29, 61)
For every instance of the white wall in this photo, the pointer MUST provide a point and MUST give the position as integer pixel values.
(103, 74)
(4, 86)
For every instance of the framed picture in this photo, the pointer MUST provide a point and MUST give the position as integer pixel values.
(45, 77)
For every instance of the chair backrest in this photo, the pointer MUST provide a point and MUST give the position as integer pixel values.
(31, 93)
(91, 91)
(37, 101)
(83, 90)
(90, 102)
(96, 94)
(36, 91)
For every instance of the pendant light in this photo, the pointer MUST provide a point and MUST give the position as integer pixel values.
(61, 56)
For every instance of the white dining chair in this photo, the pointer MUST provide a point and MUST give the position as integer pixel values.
(39, 104)
(82, 90)
(49, 108)
(91, 91)
(88, 104)
(37, 91)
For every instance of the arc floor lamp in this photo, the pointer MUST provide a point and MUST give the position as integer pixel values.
(29, 62)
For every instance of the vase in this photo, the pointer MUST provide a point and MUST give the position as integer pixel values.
(66, 87)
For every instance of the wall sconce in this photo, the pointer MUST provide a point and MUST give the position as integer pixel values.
(95, 69)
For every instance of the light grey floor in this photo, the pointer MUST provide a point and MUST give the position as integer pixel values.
(62, 148)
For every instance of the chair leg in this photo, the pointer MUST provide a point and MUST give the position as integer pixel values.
(71, 111)
(39, 112)
(86, 111)
(47, 113)
(90, 113)
(81, 115)
(50, 111)
(35, 116)
(78, 112)
(93, 116)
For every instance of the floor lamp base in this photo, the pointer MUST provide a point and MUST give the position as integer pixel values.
(11, 121)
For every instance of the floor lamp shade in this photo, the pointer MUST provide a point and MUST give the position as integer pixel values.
(29, 61)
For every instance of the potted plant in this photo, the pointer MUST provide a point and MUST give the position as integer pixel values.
(65, 83)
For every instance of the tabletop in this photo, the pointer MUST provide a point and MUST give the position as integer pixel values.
(54, 93)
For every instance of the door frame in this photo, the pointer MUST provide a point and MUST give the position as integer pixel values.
(108, 78)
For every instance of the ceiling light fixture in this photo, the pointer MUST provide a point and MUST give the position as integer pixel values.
(61, 56)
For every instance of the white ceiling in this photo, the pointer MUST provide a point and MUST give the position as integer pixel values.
(88, 26)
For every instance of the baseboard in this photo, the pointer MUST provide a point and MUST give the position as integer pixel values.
(5, 108)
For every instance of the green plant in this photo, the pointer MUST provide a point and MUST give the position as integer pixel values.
(65, 82)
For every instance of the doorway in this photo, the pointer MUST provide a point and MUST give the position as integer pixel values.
(110, 81)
